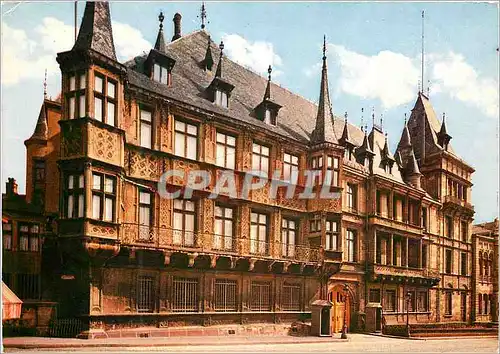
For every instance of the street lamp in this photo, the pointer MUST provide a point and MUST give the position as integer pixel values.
(344, 327)
(408, 298)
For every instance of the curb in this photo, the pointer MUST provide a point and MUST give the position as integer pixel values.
(88, 344)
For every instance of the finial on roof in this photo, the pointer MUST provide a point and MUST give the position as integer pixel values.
(324, 47)
(161, 18)
(362, 111)
(203, 14)
(382, 121)
(405, 118)
(345, 116)
(428, 88)
(366, 128)
(218, 73)
(267, 94)
(45, 86)
(418, 86)
(160, 39)
(373, 116)
(209, 60)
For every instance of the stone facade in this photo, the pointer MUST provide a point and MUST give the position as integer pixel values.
(397, 239)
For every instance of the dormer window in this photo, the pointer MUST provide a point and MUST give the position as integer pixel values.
(269, 116)
(221, 98)
(267, 110)
(161, 74)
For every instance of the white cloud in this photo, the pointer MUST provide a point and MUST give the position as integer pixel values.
(256, 55)
(129, 41)
(460, 80)
(388, 76)
(392, 78)
(26, 56)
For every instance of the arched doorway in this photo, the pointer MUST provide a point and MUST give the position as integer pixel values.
(341, 307)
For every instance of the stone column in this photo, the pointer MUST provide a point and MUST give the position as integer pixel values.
(374, 246)
(420, 254)
(391, 249)
(406, 252)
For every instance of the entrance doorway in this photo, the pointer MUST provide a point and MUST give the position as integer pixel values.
(340, 308)
(463, 306)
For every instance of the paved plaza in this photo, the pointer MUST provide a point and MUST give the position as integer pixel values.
(356, 343)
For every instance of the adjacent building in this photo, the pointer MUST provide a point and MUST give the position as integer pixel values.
(398, 238)
(485, 271)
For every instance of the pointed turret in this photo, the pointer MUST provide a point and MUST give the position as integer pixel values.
(267, 93)
(386, 153)
(220, 89)
(346, 139)
(160, 39)
(95, 31)
(412, 172)
(364, 153)
(208, 62)
(323, 131)
(40, 134)
(443, 136)
(219, 71)
(267, 110)
(405, 140)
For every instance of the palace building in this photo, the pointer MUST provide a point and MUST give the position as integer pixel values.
(397, 241)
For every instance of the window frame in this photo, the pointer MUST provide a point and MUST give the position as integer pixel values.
(394, 304)
(145, 229)
(149, 282)
(220, 241)
(185, 286)
(351, 242)
(334, 166)
(291, 296)
(184, 212)
(288, 233)
(352, 196)
(226, 147)
(7, 245)
(104, 195)
(261, 157)
(106, 99)
(143, 123)
(75, 193)
(332, 235)
(448, 259)
(290, 168)
(185, 138)
(76, 93)
(448, 303)
(260, 299)
(229, 289)
(258, 246)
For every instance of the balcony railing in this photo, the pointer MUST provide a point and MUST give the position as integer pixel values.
(404, 271)
(457, 201)
(169, 238)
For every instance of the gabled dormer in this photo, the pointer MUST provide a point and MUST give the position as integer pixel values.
(219, 90)
(158, 64)
(346, 141)
(364, 153)
(267, 110)
(387, 160)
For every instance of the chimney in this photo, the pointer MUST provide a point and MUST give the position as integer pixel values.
(11, 187)
(177, 26)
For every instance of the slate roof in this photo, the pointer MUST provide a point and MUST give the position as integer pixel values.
(95, 30)
(296, 119)
(41, 129)
(486, 228)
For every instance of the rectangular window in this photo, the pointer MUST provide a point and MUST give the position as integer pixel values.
(424, 256)
(448, 221)
(74, 196)
(34, 238)
(224, 228)
(226, 151)
(390, 301)
(103, 197)
(160, 74)
(413, 301)
(449, 261)
(104, 100)
(260, 296)
(258, 234)
(7, 235)
(464, 231)
(185, 295)
(146, 130)
(260, 158)
(221, 98)
(39, 171)
(290, 297)
(23, 238)
(332, 171)
(290, 168)
(76, 95)
(315, 225)
(332, 235)
(186, 140)
(374, 295)
(463, 263)
(448, 303)
(145, 214)
(288, 237)
(28, 286)
(225, 295)
(422, 301)
(145, 294)
(184, 222)
(424, 218)
(351, 191)
(351, 246)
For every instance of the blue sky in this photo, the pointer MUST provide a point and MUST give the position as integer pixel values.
(373, 59)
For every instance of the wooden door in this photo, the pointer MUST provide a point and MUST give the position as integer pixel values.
(339, 310)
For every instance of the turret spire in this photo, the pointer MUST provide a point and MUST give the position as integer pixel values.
(160, 39)
(95, 30)
(40, 134)
(323, 131)
(267, 94)
(45, 86)
(209, 60)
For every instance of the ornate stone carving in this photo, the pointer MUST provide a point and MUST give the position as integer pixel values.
(144, 165)
(191, 258)
(102, 231)
(104, 144)
(166, 256)
(251, 264)
(72, 141)
(213, 260)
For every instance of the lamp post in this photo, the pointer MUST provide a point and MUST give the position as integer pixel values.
(408, 298)
(344, 327)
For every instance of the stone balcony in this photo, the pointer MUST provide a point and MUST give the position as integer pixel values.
(405, 275)
(195, 244)
(394, 225)
(455, 203)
